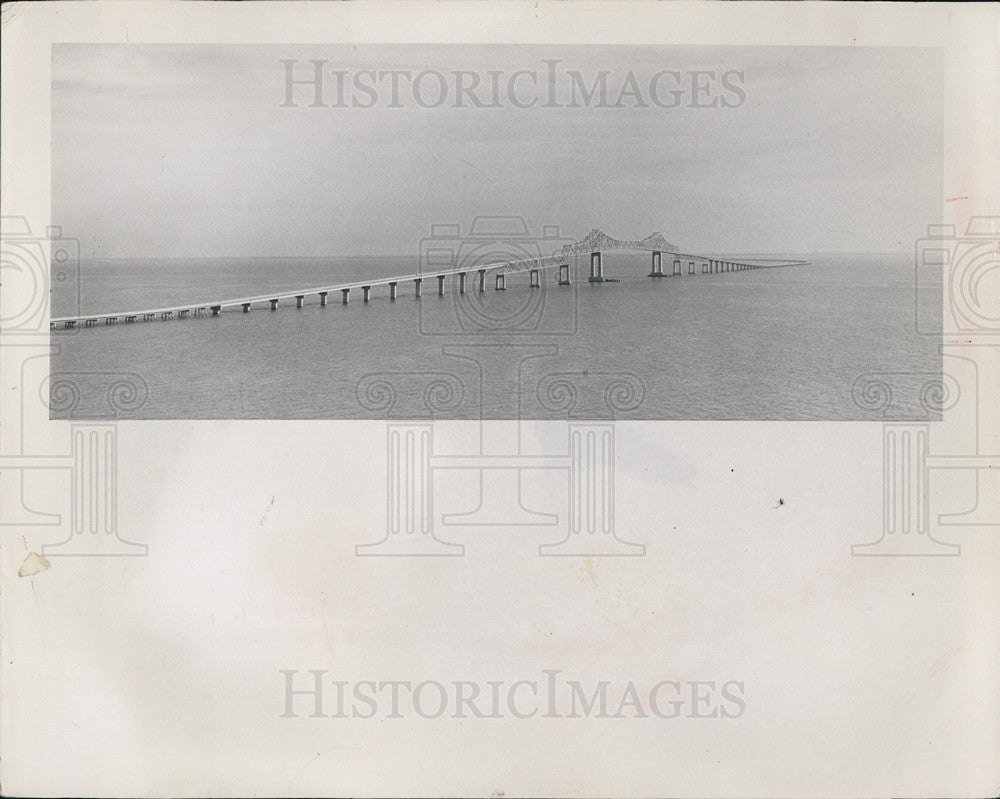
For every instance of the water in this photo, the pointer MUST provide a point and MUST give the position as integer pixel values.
(782, 344)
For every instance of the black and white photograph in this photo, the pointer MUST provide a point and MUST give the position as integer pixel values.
(495, 232)
(491, 398)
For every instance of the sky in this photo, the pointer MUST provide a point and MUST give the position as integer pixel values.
(200, 151)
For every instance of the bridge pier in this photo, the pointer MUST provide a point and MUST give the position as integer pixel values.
(690, 267)
(298, 300)
(440, 285)
(392, 291)
(166, 315)
(677, 268)
(596, 268)
(461, 282)
(501, 282)
(216, 309)
(180, 314)
(129, 319)
(274, 305)
(482, 280)
(533, 279)
(564, 275)
(347, 295)
(322, 299)
(246, 307)
(416, 286)
(657, 267)
(367, 293)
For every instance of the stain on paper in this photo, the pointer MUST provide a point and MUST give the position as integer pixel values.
(33, 564)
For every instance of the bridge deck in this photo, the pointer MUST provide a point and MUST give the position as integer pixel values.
(509, 267)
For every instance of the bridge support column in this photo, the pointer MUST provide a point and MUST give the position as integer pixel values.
(596, 268)
(347, 295)
(564, 275)
(501, 282)
(482, 280)
(367, 293)
(322, 299)
(274, 304)
(392, 291)
(440, 285)
(657, 268)
(677, 268)
(246, 307)
(180, 315)
(298, 300)
(461, 282)
(416, 286)
(215, 310)
(533, 279)
(690, 267)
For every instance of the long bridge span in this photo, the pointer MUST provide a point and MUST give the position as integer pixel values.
(594, 244)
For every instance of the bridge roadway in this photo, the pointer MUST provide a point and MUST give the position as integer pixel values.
(531, 265)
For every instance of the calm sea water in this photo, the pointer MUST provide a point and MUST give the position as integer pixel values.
(783, 344)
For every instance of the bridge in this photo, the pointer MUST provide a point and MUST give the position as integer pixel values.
(594, 244)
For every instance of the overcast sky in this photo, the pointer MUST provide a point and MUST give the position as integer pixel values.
(186, 151)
